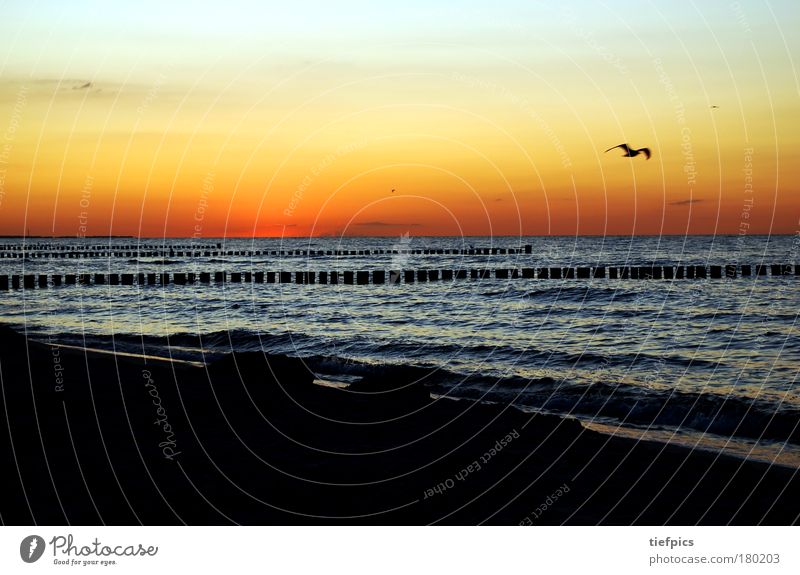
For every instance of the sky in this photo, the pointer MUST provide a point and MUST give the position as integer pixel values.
(377, 118)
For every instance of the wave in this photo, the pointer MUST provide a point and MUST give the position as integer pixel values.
(731, 416)
(398, 351)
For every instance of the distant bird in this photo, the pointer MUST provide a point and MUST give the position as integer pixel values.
(392, 190)
(714, 107)
(630, 152)
(83, 87)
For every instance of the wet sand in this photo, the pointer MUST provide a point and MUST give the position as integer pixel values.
(98, 438)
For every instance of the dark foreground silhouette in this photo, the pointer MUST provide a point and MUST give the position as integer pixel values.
(90, 438)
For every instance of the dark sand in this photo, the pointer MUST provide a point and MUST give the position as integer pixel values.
(253, 441)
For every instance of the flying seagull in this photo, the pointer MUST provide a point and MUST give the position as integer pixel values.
(392, 190)
(714, 107)
(630, 152)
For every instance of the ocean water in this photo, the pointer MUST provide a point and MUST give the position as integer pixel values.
(707, 363)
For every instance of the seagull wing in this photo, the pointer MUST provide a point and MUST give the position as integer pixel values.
(623, 146)
(646, 152)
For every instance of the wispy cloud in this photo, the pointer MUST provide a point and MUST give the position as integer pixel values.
(685, 202)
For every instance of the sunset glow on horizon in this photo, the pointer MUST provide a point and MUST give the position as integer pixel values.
(236, 119)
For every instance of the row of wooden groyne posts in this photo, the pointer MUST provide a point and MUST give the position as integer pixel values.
(377, 277)
(187, 251)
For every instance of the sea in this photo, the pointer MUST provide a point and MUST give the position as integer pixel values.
(710, 364)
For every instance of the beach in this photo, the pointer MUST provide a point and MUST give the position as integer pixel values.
(339, 272)
(102, 438)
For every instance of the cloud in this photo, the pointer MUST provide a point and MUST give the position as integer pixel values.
(685, 202)
(387, 224)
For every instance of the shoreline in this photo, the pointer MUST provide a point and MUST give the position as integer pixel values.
(250, 439)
